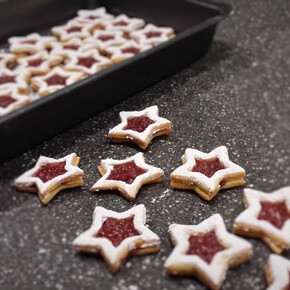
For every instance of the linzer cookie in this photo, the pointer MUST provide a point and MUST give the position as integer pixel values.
(152, 35)
(11, 100)
(98, 13)
(277, 272)
(140, 127)
(127, 50)
(49, 176)
(127, 176)
(7, 60)
(206, 251)
(267, 217)
(207, 173)
(55, 80)
(118, 236)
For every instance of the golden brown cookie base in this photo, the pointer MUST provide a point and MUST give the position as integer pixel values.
(268, 275)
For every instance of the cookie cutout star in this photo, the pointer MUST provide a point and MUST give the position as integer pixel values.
(206, 251)
(49, 176)
(277, 272)
(140, 127)
(207, 173)
(127, 176)
(117, 236)
(267, 217)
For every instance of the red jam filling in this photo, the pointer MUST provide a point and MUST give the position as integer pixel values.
(131, 49)
(87, 61)
(6, 79)
(105, 37)
(152, 34)
(208, 167)
(205, 246)
(92, 17)
(275, 213)
(28, 41)
(35, 62)
(49, 171)
(287, 287)
(74, 29)
(5, 101)
(56, 80)
(117, 230)
(121, 23)
(126, 172)
(70, 46)
(138, 124)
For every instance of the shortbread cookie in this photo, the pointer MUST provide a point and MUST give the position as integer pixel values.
(39, 63)
(207, 173)
(88, 62)
(14, 79)
(118, 236)
(206, 251)
(98, 13)
(30, 43)
(49, 176)
(127, 50)
(55, 80)
(127, 176)
(7, 60)
(152, 35)
(277, 272)
(140, 127)
(11, 100)
(267, 217)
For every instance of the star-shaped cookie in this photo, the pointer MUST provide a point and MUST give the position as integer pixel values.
(267, 217)
(117, 236)
(49, 176)
(140, 127)
(277, 272)
(127, 176)
(207, 173)
(206, 251)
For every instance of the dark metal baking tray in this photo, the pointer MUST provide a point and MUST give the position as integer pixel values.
(194, 21)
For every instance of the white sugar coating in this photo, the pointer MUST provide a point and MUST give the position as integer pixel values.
(213, 182)
(250, 216)
(28, 179)
(132, 188)
(151, 112)
(88, 239)
(216, 270)
(21, 79)
(279, 268)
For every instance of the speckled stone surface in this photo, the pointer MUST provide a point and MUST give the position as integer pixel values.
(238, 96)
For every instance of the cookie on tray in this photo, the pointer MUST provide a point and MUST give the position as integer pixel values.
(207, 173)
(267, 217)
(7, 60)
(140, 127)
(49, 176)
(118, 236)
(127, 176)
(206, 251)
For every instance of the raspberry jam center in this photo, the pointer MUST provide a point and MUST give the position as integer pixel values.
(105, 37)
(74, 29)
(92, 17)
(205, 246)
(5, 101)
(152, 34)
(121, 23)
(28, 41)
(138, 124)
(70, 46)
(275, 213)
(126, 172)
(87, 61)
(6, 79)
(35, 62)
(117, 230)
(49, 171)
(56, 80)
(132, 49)
(208, 167)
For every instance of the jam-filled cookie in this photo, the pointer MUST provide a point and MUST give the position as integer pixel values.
(207, 173)
(267, 217)
(7, 60)
(140, 127)
(206, 251)
(118, 236)
(127, 176)
(49, 176)
(98, 13)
